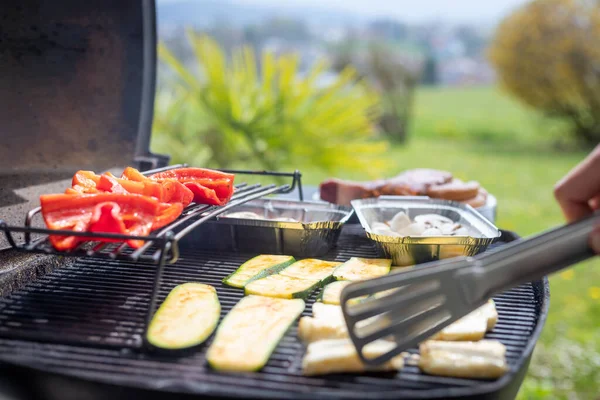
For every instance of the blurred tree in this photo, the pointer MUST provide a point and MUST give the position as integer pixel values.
(390, 74)
(429, 75)
(231, 115)
(547, 54)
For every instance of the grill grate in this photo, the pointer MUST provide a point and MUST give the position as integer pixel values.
(88, 320)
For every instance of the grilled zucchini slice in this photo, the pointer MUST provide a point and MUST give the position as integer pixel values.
(186, 318)
(358, 269)
(256, 268)
(332, 292)
(312, 269)
(251, 331)
(282, 286)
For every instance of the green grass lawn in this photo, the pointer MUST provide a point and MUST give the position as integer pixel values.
(483, 114)
(514, 162)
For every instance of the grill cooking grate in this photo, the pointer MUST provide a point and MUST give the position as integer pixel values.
(96, 310)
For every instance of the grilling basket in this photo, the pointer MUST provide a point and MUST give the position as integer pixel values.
(79, 83)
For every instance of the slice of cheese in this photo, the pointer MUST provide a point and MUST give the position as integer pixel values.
(478, 360)
(472, 326)
(340, 356)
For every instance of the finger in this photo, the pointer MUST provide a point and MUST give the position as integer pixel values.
(594, 241)
(581, 184)
(594, 203)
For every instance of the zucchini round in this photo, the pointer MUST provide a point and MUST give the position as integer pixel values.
(282, 286)
(186, 318)
(250, 333)
(256, 268)
(312, 269)
(358, 269)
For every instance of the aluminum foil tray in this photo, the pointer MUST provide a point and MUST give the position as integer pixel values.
(314, 232)
(412, 250)
(489, 210)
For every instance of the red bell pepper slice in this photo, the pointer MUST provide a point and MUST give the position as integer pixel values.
(129, 214)
(173, 191)
(108, 183)
(176, 192)
(209, 186)
(133, 174)
(167, 214)
(86, 182)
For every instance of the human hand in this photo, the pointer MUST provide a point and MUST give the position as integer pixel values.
(578, 193)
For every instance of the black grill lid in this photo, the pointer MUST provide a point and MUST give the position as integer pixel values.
(77, 83)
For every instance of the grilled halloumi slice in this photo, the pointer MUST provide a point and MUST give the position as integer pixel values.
(472, 326)
(484, 359)
(489, 310)
(327, 311)
(333, 291)
(327, 322)
(312, 329)
(340, 356)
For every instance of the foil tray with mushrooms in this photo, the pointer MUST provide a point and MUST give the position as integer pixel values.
(274, 226)
(415, 230)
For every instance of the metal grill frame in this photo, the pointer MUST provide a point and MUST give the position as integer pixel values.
(211, 387)
(162, 244)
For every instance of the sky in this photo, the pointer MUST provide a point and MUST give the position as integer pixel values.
(407, 10)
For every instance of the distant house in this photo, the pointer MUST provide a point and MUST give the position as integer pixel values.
(465, 71)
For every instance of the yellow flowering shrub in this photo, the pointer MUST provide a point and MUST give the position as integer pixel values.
(547, 54)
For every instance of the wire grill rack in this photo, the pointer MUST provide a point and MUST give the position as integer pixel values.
(162, 245)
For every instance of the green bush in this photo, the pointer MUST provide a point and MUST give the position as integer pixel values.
(236, 113)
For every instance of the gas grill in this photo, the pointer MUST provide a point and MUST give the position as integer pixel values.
(72, 324)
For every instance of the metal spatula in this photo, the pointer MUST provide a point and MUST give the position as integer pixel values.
(409, 307)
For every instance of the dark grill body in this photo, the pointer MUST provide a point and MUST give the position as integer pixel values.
(91, 317)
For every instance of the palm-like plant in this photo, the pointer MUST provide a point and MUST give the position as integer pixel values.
(230, 115)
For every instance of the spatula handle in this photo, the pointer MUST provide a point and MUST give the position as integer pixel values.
(533, 258)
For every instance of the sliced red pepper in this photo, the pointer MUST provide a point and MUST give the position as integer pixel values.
(108, 183)
(88, 182)
(209, 186)
(129, 214)
(167, 214)
(85, 179)
(107, 218)
(204, 195)
(176, 192)
(81, 190)
(133, 174)
(172, 191)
